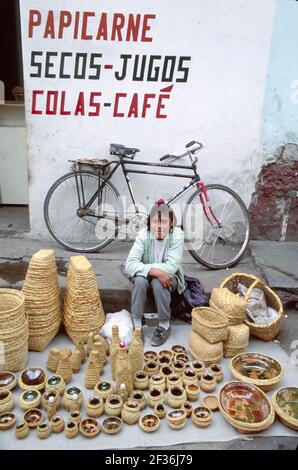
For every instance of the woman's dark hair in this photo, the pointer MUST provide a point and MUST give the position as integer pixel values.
(159, 208)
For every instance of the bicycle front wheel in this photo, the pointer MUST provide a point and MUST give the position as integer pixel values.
(216, 246)
(75, 224)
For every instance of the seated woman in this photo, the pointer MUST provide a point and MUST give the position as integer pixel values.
(155, 261)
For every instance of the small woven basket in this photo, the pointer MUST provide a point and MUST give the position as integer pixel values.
(227, 304)
(208, 324)
(237, 340)
(201, 349)
(270, 330)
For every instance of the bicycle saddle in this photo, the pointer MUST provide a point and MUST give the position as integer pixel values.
(121, 150)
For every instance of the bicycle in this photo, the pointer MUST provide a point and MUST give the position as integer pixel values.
(84, 202)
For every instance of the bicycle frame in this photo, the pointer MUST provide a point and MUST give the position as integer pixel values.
(123, 162)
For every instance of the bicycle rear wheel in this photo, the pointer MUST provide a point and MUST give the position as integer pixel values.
(213, 246)
(74, 228)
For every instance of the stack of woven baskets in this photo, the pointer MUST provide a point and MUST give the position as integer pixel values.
(42, 299)
(209, 330)
(13, 331)
(233, 308)
(226, 300)
(83, 311)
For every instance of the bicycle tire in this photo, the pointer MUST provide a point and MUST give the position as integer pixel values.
(248, 230)
(48, 223)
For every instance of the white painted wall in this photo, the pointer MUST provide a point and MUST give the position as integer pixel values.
(221, 104)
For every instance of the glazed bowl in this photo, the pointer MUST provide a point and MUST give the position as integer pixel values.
(285, 403)
(187, 407)
(33, 417)
(139, 397)
(192, 392)
(21, 430)
(202, 416)
(104, 389)
(33, 378)
(89, 427)
(30, 399)
(198, 366)
(177, 419)
(166, 353)
(257, 369)
(149, 423)
(246, 407)
(112, 425)
(166, 371)
(8, 380)
(150, 356)
(178, 349)
(160, 410)
(7, 420)
(183, 357)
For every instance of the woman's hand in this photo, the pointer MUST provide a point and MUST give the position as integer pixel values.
(162, 276)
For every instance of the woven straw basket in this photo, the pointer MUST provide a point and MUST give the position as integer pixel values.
(207, 323)
(237, 340)
(13, 330)
(226, 303)
(42, 299)
(83, 311)
(264, 332)
(206, 352)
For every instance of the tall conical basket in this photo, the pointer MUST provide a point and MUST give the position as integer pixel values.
(13, 331)
(83, 311)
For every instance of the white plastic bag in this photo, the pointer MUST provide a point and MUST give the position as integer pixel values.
(124, 321)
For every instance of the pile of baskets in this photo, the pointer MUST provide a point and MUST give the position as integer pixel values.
(42, 299)
(13, 330)
(83, 311)
(223, 328)
(209, 330)
(265, 332)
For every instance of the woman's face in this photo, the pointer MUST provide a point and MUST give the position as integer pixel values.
(160, 225)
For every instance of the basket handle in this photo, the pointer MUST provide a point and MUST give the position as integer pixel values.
(258, 283)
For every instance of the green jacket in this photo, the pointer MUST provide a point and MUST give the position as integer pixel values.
(141, 256)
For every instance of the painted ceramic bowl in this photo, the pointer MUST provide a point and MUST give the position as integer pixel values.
(33, 417)
(149, 423)
(112, 425)
(89, 427)
(285, 403)
(34, 377)
(246, 407)
(256, 369)
(8, 380)
(7, 420)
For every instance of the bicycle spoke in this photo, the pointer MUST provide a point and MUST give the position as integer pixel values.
(220, 246)
(71, 224)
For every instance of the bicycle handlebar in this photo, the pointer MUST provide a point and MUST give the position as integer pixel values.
(194, 150)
